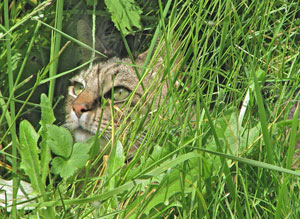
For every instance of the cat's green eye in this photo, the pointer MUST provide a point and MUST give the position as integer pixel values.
(78, 88)
(120, 93)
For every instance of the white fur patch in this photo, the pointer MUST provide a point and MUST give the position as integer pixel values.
(81, 135)
(83, 119)
(73, 122)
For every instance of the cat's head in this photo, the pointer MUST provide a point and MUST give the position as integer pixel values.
(104, 88)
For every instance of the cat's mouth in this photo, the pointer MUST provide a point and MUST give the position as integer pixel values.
(76, 123)
(82, 128)
(81, 135)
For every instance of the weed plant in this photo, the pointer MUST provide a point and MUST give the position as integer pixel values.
(223, 144)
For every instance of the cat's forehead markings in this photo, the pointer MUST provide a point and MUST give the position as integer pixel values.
(91, 70)
(78, 78)
(110, 69)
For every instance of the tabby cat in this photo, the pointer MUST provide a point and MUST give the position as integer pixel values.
(93, 90)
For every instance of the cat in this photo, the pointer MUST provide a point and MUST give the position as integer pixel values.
(92, 91)
(114, 81)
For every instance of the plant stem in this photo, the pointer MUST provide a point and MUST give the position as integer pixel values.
(12, 111)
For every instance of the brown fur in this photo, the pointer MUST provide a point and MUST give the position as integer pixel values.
(83, 112)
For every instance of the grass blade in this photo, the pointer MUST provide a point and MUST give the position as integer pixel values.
(12, 111)
(55, 47)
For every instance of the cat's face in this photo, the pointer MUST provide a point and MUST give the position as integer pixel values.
(90, 96)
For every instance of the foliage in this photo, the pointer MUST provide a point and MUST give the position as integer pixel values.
(222, 144)
(125, 15)
(69, 157)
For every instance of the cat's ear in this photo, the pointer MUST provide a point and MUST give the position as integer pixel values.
(84, 34)
(142, 57)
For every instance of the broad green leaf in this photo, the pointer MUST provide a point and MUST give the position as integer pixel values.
(45, 157)
(235, 136)
(125, 14)
(116, 160)
(30, 154)
(164, 190)
(171, 186)
(67, 167)
(80, 154)
(59, 140)
(47, 116)
(60, 166)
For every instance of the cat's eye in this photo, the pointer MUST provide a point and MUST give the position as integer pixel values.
(77, 88)
(120, 93)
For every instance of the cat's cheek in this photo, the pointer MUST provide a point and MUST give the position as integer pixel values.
(84, 118)
(74, 121)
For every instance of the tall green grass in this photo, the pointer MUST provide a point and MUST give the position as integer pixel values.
(11, 105)
(220, 145)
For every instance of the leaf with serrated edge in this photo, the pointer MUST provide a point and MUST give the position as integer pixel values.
(78, 158)
(80, 154)
(29, 154)
(125, 14)
(47, 116)
(59, 140)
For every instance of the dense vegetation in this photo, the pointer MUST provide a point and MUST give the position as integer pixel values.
(222, 144)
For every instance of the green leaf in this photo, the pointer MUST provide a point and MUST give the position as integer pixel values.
(125, 14)
(236, 137)
(80, 154)
(45, 159)
(116, 160)
(59, 166)
(46, 118)
(170, 187)
(30, 154)
(59, 140)
(47, 111)
(78, 158)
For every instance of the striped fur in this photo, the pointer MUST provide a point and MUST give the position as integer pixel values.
(90, 108)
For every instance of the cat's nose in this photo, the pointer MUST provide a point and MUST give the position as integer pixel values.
(79, 109)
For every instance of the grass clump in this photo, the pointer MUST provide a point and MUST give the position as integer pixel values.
(223, 143)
